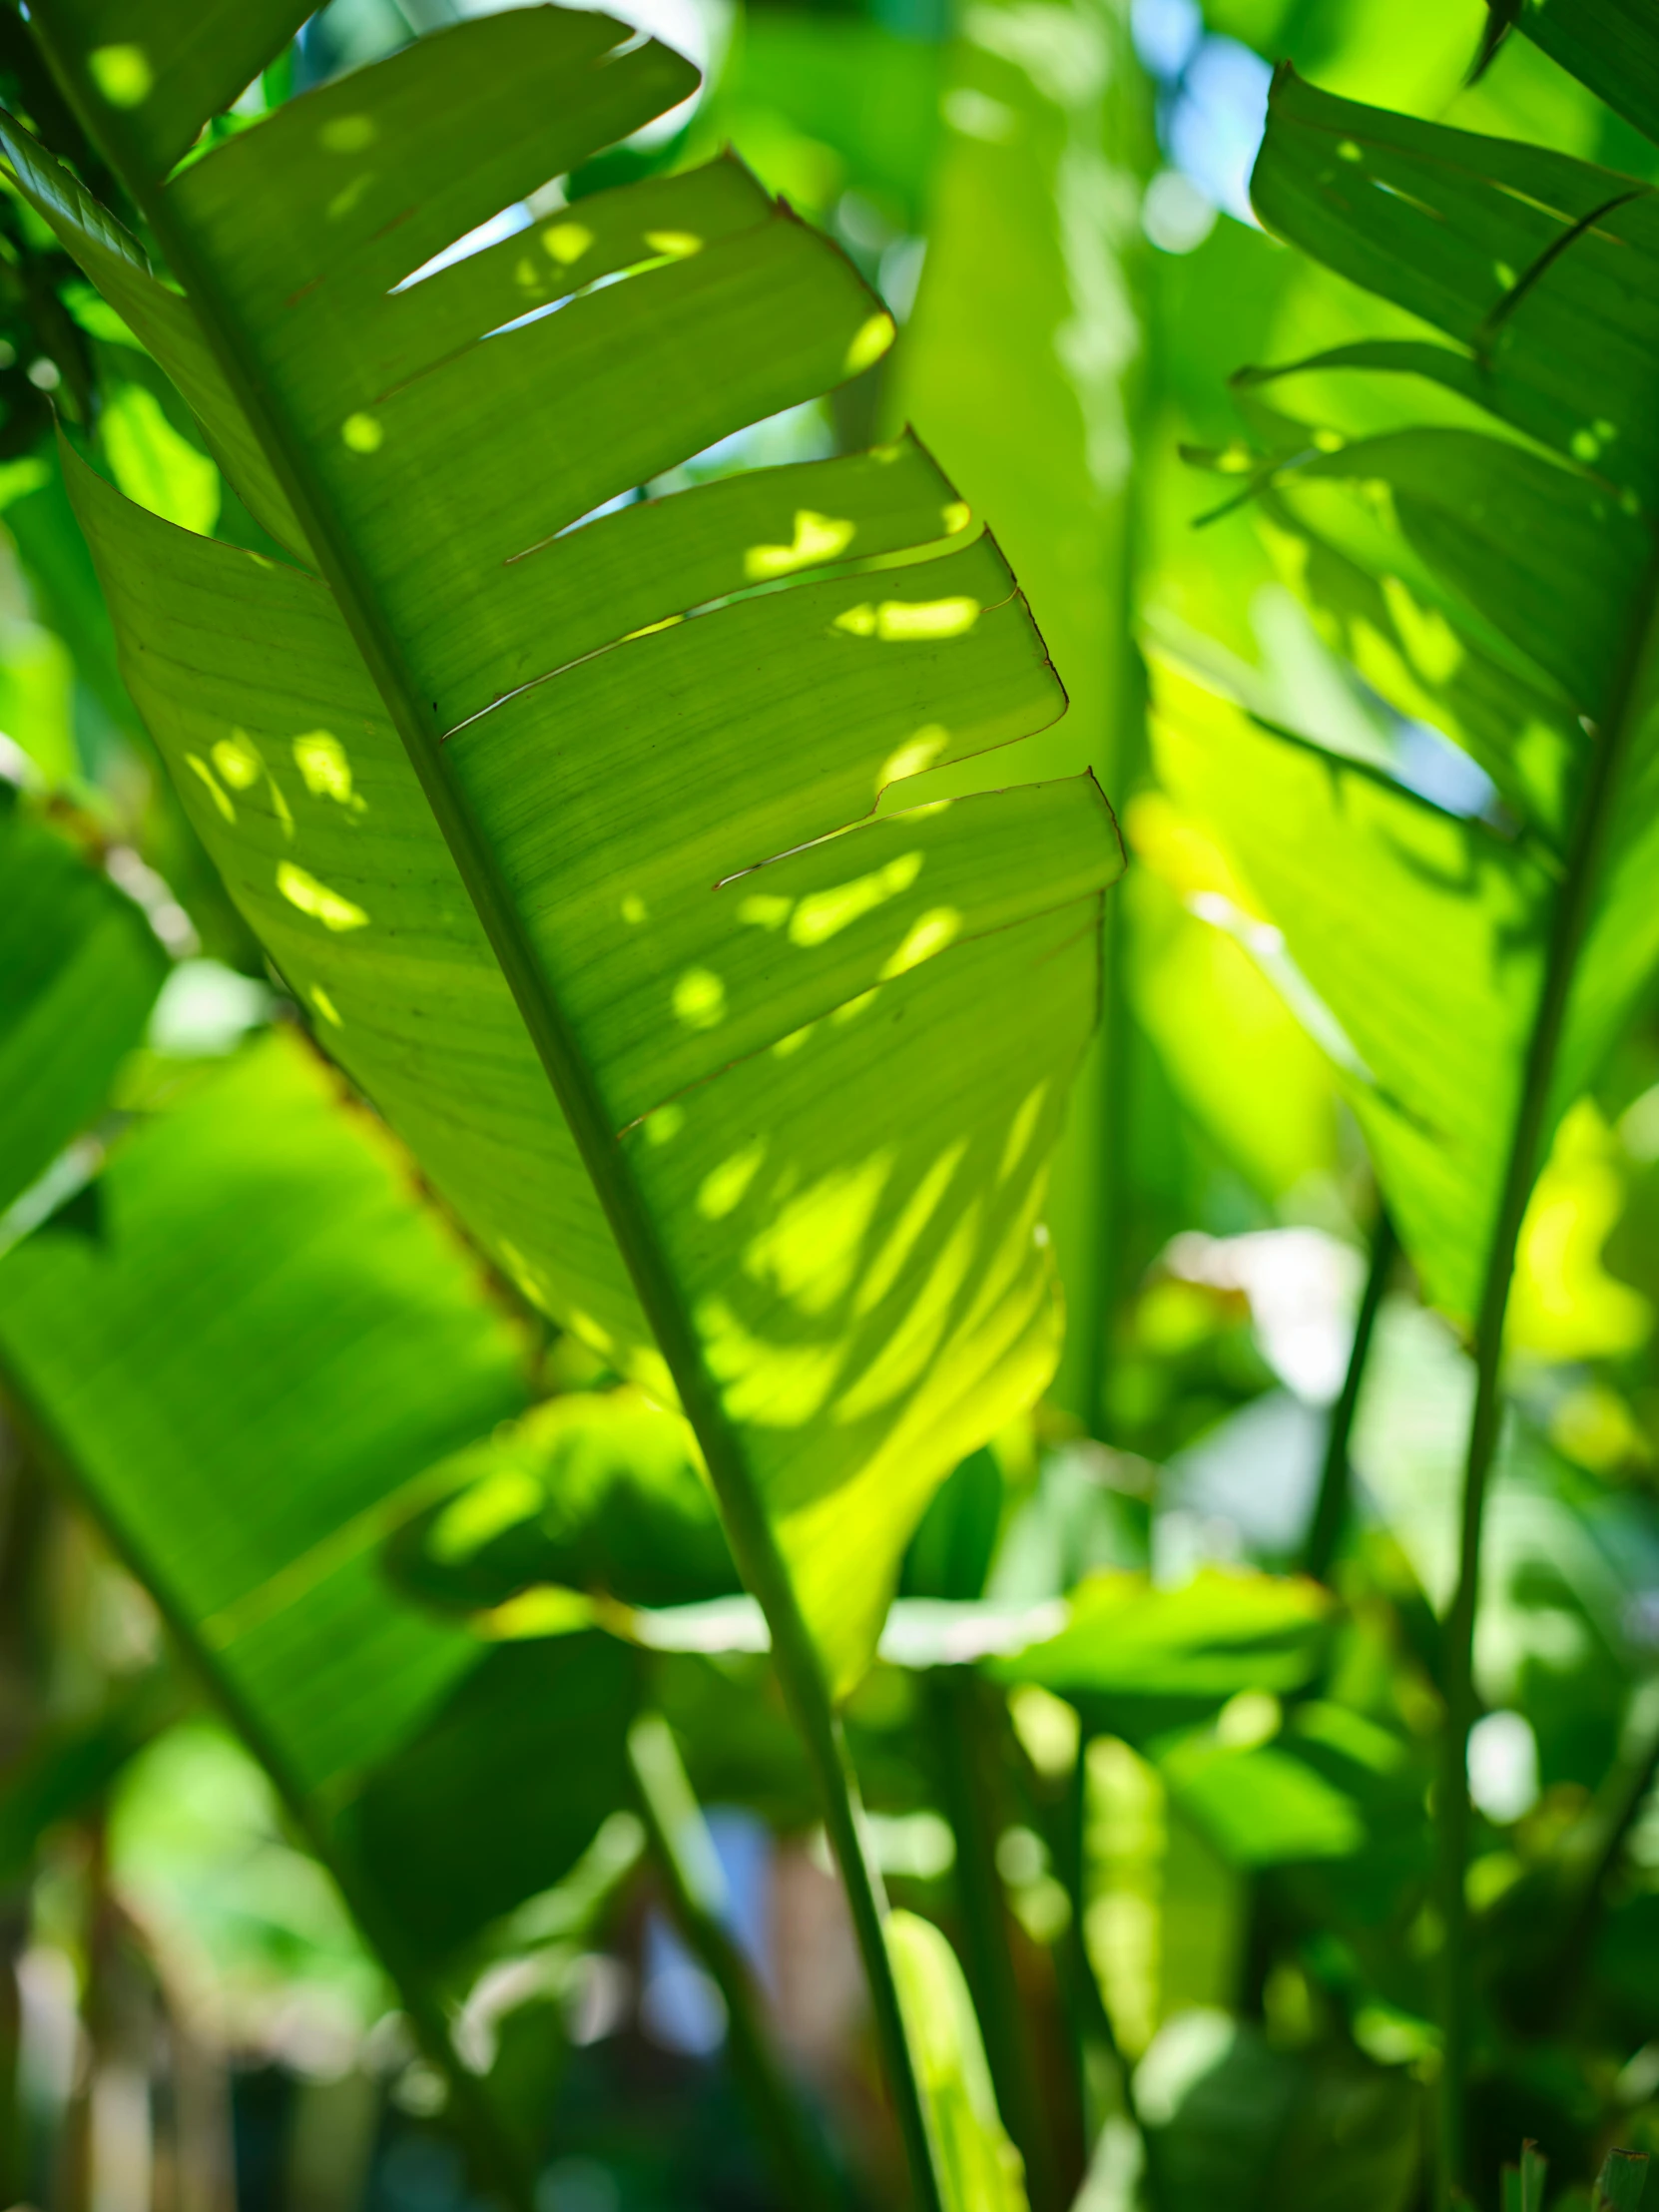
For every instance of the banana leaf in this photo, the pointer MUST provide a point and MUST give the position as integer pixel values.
(1468, 972)
(259, 1368)
(557, 830)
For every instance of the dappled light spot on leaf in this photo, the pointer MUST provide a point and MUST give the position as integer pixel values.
(817, 538)
(1020, 1131)
(665, 1124)
(905, 1353)
(787, 1047)
(763, 912)
(546, 1610)
(347, 197)
(679, 246)
(869, 343)
(822, 914)
(634, 909)
(301, 889)
(957, 514)
(362, 433)
(902, 620)
(220, 797)
(122, 74)
(346, 134)
(237, 759)
(930, 933)
(809, 1251)
(723, 1189)
(920, 1209)
(914, 755)
(322, 762)
(470, 1521)
(854, 1007)
(650, 629)
(325, 1006)
(566, 241)
(700, 998)
(773, 1386)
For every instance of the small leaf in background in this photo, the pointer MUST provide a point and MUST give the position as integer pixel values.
(979, 2169)
(155, 467)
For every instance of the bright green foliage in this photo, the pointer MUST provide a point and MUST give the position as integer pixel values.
(978, 2166)
(79, 972)
(256, 1371)
(1138, 1660)
(824, 1185)
(1510, 598)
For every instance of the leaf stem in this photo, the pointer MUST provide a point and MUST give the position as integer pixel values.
(754, 1545)
(1331, 1505)
(1609, 743)
(690, 1872)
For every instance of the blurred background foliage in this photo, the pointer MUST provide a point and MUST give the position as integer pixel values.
(1178, 1835)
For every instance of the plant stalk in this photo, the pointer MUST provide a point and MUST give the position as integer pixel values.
(690, 1872)
(956, 1706)
(1336, 1490)
(1609, 742)
(799, 1671)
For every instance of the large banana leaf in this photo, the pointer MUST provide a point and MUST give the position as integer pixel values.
(254, 1374)
(79, 972)
(775, 1141)
(1473, 972)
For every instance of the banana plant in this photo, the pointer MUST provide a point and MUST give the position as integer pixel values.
(558, 822)
(1495, 574)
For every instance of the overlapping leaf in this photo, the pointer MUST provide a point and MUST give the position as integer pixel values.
(496, 806)
(258, 1371)
(79, 972)
(1504, 588)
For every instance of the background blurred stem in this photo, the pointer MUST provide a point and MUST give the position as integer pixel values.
(692, 1874)
(1336, 1489)
(1609, 742)
(958, 1714)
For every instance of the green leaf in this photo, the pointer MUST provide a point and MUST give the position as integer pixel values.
(1523, 2185)
(1609, 45)
(1521, 594)
(979, 2169)
(1415, 938)
(1259, 1805)
(1230, 2122)
(259, 1371)
(592, 1492)
(166, 66)
(1621, 2180)
(80, 968)
(492, 835)
(1511, 250)
(1138, 1659)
